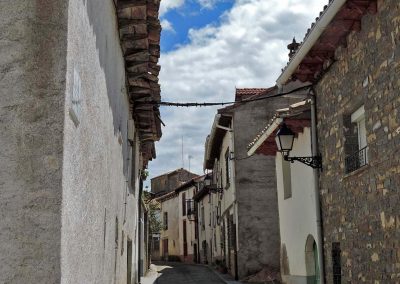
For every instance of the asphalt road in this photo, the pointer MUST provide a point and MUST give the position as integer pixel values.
(178, 273)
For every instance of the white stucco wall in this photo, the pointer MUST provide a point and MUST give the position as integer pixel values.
(190, 225)
(96, 153)
(228, 198)
(172, 233)
(205, 229)
(297, 213)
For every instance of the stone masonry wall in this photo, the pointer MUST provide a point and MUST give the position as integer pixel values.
(361, 210)
(258, 220)
(33, 43)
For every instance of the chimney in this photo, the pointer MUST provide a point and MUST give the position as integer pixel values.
(293, 48)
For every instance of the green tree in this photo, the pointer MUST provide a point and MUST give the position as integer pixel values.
(154, 209)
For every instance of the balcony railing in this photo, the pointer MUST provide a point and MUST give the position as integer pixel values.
(357, 160)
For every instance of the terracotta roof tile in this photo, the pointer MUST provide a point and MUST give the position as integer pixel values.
(246, 93)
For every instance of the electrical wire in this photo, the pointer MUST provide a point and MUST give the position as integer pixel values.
(175, 104)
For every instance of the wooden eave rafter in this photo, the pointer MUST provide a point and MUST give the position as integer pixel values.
(348, 19)
(140, 30)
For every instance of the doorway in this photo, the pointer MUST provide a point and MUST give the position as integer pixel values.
(195, 253)
(129, 262)
(311, 258)
(165, 249)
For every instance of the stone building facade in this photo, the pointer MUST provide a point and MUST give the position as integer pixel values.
(170, 181)
(361, 209)
(356, 88)
(74, 140)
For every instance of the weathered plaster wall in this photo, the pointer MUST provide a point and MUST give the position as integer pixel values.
(255, 181)
(172, 233)
(361, 210)
(297, 214)
(99, 212)
(33, 40)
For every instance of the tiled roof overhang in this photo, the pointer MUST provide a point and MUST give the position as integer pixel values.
(189, 183)
(214, 140)
(247, 93)
(167, 196)
(140, 30)
(322, 52)
(297, 117)
(269, 148)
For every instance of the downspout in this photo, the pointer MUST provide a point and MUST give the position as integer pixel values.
(314, 150)
(140, 229)
(233, 165)
(198, 260)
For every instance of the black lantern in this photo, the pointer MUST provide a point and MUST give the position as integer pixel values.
(213, 188)
(284, 141)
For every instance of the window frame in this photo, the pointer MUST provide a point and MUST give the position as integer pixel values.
(228, 172)
(165, 221)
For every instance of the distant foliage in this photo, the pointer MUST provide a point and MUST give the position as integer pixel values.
(154, 216)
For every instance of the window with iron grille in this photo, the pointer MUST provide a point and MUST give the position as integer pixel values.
(336, 263)
(356, 148)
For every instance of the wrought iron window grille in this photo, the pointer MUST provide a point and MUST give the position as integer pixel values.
(357, 160)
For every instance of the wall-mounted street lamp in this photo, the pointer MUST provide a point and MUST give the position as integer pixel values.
(284, 141)
(210, 186)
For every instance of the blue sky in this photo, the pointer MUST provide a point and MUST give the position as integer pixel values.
(191, 15)
(205, 57)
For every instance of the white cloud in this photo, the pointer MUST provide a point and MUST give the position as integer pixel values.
(167, 26)
(170, 4)
(248, 49)
(209, 4)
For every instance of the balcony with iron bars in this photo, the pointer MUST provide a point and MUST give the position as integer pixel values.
(357, 160)
(191, 209)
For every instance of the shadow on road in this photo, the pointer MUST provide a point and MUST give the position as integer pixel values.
(180, 273)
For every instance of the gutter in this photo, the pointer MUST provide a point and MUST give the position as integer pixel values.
(210, 140)
(310, 40)
(314, 151)
(139, 266)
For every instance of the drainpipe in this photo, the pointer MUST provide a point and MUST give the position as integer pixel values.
(139, 266)
(314, 149)
(235, 207)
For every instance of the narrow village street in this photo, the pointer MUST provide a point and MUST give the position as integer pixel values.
(180, 273)
(199, 141)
